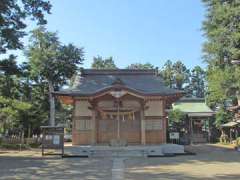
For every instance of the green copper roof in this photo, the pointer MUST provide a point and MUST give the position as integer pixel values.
(192, 106)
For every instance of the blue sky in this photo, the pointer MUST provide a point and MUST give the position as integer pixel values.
(131, 30)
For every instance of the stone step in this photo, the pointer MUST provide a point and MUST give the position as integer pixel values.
(131, 151)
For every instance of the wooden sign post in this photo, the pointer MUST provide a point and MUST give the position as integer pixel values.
(52, 138)
(174, 137)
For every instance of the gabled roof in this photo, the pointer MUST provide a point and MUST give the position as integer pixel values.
(144, 82)
(193, 107)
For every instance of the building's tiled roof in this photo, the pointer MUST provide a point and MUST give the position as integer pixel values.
(145, 82)
(192, 105)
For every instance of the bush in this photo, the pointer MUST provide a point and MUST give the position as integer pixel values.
(14, 146)
(34, 145)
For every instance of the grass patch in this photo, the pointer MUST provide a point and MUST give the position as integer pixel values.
(14, 146)
(34, 145)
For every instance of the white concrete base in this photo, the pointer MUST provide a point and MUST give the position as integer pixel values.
(173, 149)
(128, 151)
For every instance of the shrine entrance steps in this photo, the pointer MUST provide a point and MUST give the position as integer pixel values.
(128, 151)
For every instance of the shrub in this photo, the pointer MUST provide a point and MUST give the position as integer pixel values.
(14, 146)
(34, 145)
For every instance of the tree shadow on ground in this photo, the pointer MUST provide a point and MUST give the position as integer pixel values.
(210, 162)
(54, 168)
(178, 176)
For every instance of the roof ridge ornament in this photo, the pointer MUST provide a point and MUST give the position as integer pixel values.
(118, 94)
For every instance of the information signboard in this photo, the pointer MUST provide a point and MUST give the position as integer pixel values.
(174, 135)
(52, 138)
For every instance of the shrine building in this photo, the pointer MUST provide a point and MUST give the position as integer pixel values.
(119, 104)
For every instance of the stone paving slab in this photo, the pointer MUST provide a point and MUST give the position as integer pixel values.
(118, 169)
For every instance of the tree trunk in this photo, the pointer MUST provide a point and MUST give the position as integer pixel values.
(52, 104)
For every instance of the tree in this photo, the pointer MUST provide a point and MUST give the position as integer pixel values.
(220, 81)
(140, 66)
(197, 82)
(221, 27)
(53, 62)
(181, 75)
(12, 20)
(9, 73)
(167, 73)
(176, 120)
(175, 75)
(100, 63)
(222, 116)
(10, 112)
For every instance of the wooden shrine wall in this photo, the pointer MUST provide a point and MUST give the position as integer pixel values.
(155, 122)
(154, 116)
(82, 123)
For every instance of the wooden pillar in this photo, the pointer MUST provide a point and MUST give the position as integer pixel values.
(143, 134)
(209, 130)
(191, 129)
(93, 141)
(74, 141)
(230, 134)
(165, 122)
(94, 127)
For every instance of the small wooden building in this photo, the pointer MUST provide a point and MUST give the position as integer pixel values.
(199, 118)
(119, 104)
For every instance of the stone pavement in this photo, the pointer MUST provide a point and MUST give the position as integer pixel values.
(118, 169)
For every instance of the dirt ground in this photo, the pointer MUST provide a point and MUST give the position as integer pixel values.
(210, 162)
(30, 165)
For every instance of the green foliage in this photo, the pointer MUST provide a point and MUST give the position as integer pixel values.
(11, 111)
(51, 60)
(175, 75)
(167, 73)
(9, 77)
(222, 116)
(140, 66)
(197, 82)
(221, 28)
(176, 120)
(14, 146)
(34, 145)
(100, 63)
(219, 82)
(12, 20)
(176, 116)
(181, 74)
